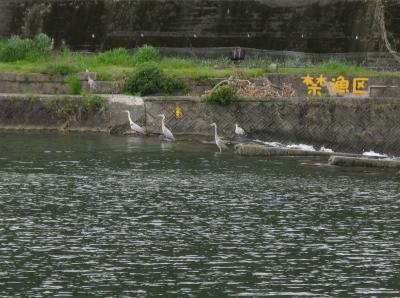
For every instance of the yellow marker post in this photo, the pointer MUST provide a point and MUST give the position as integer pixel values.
(178, 112)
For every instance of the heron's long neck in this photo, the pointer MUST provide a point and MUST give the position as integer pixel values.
(129, 116)
(216, 133)
(162, 122)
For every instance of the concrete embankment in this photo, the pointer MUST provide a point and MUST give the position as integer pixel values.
(262, 150)
(344, 161)
(346, 125)
(37, 83)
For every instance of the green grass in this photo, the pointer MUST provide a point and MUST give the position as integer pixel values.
(117, 63)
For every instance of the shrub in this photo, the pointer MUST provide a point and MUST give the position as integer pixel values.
(16, 49)
(93, 103)
(60, 69)
(146, 53)
(172, 84)
(147, 78)
(74, 84)
(224, 95)
(119, 56)
(64, 109)
(43, 45)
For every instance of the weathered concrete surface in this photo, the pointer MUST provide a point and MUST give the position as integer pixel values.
(12, 82)
(297, 25)
(35, 112)
(342, 124)
(381, 84)
(363, 162)
(262, 150)
(36, 83)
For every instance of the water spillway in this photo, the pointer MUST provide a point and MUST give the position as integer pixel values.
(309, 25)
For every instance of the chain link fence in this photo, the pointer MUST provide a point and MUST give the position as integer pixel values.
(253, 57)
(353, 125)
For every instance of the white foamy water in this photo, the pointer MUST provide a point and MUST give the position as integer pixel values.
(274, 144)
(301, 147)
(295, 146)
(323, 149)
(374, 154)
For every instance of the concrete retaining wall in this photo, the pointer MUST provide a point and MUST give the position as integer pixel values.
(301, 25)
(36, 83)
(349, 125)
(12, 82)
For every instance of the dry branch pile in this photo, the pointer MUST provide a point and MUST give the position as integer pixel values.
(246, 88)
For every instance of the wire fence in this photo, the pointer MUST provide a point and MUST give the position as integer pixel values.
(351, 125)
(252, 57)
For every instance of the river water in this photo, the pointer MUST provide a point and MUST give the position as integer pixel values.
(123, 216)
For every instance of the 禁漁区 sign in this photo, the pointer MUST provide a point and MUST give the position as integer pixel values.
(339, 85)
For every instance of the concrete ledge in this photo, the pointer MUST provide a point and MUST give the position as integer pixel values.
(261, 150)
(36, 83)
(363, 162)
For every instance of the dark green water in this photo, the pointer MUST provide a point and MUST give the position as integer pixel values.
(121, 216)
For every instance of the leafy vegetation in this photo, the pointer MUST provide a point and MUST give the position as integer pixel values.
(17, 49)
(93, 102)
(60, 69)
(148, 78)
(71, 109)
(74, 84)
(119, 56)
(224, 95)
(35, 55)
(172, 84)
(145, 54)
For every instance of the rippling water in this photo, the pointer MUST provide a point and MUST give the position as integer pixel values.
(121, 216)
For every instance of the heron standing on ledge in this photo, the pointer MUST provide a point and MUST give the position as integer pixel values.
(165, 131)
(136, 128)
(218, 141)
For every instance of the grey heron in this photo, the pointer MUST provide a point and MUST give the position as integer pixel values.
(239, 131)
(218, 141)
(136, 128)
(165, 131)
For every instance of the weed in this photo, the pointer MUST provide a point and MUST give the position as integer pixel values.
(17, 49)
(60, 69)
(147, 79)
(71, 109)
(224, 95)
(119, 56)
(74, 84)
(92, 102)
(146, 53)
(64, 109)
(172, 84)
(31, 97)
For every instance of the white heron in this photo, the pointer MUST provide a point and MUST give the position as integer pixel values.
(218, 141)
(136, 128)
(239, 131)
(165, 131)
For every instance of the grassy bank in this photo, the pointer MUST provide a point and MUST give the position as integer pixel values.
(24, 55)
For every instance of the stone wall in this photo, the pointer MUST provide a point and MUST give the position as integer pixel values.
(351, 125)
(297, 25)
(36, 83)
